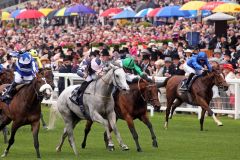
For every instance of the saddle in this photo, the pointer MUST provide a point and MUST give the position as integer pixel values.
(184, 81)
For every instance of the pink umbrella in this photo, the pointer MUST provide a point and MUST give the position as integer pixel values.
(30, 14)
(211, 6)
(110, 12)
(153, 12)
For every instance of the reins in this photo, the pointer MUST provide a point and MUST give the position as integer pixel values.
(139, 89)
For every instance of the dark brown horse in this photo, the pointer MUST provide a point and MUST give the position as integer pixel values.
(25, 108)
(133, 105)
(200, 93)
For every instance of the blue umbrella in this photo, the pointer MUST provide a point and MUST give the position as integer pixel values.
(194, 13)
(172, 11)
(125, 14)
(15, 13)
(79, 8)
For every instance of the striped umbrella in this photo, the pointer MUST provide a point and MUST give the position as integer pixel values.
(153, 12)
(143, 13)
(45, 11)
(62, 12)
(211, 5)
(193, 5)
(15, 13)
(110, 12)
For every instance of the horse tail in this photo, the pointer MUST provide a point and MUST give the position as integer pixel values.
(162, 84)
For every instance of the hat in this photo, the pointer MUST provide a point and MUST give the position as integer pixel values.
(227, 53)
(170, 44)
(228, 66)
(175, 56)
(146, 57)
(188, 51)
(105, 52)
(167, 59)
(67, 58)
(151, 44)
(217, 50)
(145, 52)
(159, 62)
(214, 59)
(9, 56)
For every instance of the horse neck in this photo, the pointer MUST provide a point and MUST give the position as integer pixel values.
(32, 87)
(105, 84)
(140, 88)
(208, 80)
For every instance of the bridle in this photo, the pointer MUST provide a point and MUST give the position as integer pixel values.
(144, 99)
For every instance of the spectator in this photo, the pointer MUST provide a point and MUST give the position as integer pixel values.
(177, 65)
(159, 64)
(168, 68)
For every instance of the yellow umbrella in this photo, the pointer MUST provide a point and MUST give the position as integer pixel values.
(6, 16)
(227, 7)
(193, 5)
(61, 13)
(45, 11)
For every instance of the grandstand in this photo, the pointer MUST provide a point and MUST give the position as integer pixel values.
(8, 3)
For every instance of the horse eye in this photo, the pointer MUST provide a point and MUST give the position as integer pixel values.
(117, 76)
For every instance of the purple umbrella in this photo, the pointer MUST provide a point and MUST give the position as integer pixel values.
(79, 8)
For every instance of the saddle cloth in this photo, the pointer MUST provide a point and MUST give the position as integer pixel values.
(18, 87)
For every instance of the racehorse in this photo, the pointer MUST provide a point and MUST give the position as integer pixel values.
(25, 108)
(200, 94)
(99, 106)
(6, 76)
(133, 105)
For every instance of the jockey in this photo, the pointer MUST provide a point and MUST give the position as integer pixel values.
(25, 72)
(129, 64)
(195, 65)
(34, 54)
(85, 71)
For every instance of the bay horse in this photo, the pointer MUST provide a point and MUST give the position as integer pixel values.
(200, 94)
(133, 105)
(98, 103)
(25, 109)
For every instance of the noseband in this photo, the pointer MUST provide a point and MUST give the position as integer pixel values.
(144, 99)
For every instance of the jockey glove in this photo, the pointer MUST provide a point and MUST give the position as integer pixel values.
(145, 76)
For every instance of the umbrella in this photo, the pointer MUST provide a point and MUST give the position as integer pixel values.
(45, 11)
(52, 14)
(194, 13)
(153, 12)
(211, 5)
(30, 14)
(172, 11)
(62, 12)
(6, 16)
(227, 7)
(143, 13)
(125, 14)
(219, 17)
(79, 8)
(110, 12)
(193, 5)
(15, 13)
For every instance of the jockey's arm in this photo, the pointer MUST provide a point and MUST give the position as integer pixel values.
(34, 67)
(196, 65)
(209, 66)
(82, 68)
(38, 62)
(138, 70)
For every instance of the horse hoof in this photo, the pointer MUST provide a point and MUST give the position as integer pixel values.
(111, 148)
(4, 154)
(58, 149)
(139, 150)
(220, 124)
(45, 127)
(125, 147)
(155, 144)
(83, 145)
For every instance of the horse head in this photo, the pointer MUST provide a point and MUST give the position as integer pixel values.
(149, 93)
(48, 75)
(6, 76)
(219, 79)
(119, 77)
(44, 89)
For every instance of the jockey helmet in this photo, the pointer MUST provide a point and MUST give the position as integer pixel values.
(33, 52)
(25, 58)
(128, 63)
(202, 56)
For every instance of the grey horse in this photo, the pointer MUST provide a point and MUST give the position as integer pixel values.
(99, 104)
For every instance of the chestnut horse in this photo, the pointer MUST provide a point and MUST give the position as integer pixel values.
(133, 105)
(25, 108)
(200, 93)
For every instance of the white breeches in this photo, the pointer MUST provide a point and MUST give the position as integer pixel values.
(22, 79)
(190, 70)
(130, 77)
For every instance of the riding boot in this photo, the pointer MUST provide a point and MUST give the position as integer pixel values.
(191, 81)
(10, 91)
(185, 85)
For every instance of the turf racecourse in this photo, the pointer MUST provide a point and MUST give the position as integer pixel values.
(182, 141)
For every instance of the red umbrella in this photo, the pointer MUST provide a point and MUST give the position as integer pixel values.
(211, 6)
(153, 12)
(110, 12)
(30, 14)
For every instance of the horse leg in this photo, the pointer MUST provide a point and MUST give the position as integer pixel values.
(14, 129)
(205, 106)
(169, 104)
(98, 118)
(43, 122)
(176, 103)
(64, 135)
(202, 119)
(86, 132)
(112, 121)
(5, 133)
(146, 121)
(35, 130)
